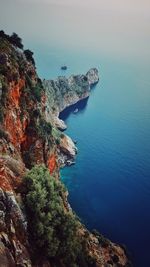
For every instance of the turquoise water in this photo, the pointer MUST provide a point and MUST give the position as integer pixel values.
(109, 186)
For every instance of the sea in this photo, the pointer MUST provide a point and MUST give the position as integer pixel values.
(109, 186)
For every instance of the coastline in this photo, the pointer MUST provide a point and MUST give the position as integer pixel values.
(67, 150)
(30, 141)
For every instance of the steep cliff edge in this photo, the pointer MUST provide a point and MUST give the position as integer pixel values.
(28, 138)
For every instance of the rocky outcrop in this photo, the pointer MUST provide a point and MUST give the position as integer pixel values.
(106, 253)
(60, 124)
(13, 232)
(67, 145)
(67, 151)
(63, 92)
(92, 76)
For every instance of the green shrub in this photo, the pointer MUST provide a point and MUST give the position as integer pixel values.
(44, 128)
(29, 56)
(3, 35)
(57, 142)
(54, 231)
(37, 92)
(16, 40)
(62, 135)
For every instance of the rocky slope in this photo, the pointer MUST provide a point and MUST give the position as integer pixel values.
(29, 137)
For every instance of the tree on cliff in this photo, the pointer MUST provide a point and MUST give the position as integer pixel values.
(2, 34)
(16, 40)
(29, 56)
(52, 230)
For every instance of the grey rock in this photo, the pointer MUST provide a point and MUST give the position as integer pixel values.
(64, 92)
(13, 252)
(92, 76)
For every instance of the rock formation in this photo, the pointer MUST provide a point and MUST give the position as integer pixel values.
(64, 92)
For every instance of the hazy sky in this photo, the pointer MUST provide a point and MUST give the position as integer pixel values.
(111, 25)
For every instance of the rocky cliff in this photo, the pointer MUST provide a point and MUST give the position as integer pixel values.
(64, 92)
(29, 137)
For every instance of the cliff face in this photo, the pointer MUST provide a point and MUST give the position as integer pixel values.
(25, 140)
(29, 136)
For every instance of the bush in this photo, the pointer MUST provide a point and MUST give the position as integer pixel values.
(57, 142)
(16, 40)
(3, 58)
(62, 135)
(37, 92)
(44, 128)
(54, 231)
(29, 56)
(4, 35)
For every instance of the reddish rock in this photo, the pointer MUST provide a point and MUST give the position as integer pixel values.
(15, 92)
(52, 163)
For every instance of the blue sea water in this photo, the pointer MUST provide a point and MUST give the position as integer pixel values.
(109, 186)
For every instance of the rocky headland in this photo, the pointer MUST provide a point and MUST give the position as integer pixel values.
(30, 137)
(63, 92)
(60, 94)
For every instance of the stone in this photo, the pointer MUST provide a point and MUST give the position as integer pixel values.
(60, 124)
(68, 146)
(92, 76)
(64, 92)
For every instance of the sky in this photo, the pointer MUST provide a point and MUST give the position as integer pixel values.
(114, 26)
